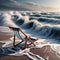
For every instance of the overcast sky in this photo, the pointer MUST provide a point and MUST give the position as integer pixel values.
(52, 3)
(35, 5)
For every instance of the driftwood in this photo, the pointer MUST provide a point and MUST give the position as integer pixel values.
(27, 38)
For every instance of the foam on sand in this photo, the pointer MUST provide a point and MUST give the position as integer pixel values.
(39, 44)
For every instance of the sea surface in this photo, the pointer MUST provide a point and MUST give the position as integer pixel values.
(41, 25)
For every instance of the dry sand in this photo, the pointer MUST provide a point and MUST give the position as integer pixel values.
(43, 52)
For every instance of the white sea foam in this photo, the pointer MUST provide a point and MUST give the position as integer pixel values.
(39, 44)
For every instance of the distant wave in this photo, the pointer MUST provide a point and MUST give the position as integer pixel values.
(49, 20)
(20, 22)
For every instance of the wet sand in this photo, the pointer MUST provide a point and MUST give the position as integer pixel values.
(6, 36)
(44, 52)
(14, 58)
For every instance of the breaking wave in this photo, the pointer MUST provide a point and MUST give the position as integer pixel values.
(46, 27)
(37, 24)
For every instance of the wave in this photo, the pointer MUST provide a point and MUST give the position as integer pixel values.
(36, 24)
(33, 26)
(20, 22)
(46, 31)
(6, 20)
(49, 20)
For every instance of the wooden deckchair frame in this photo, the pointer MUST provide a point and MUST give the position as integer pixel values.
(27, 38)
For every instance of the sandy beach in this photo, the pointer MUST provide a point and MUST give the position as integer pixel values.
(6, 36)
(45, 52)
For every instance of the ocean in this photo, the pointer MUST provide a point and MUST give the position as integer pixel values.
(41, 25)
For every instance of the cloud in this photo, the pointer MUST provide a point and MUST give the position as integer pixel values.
(30, 6)
(10, 5)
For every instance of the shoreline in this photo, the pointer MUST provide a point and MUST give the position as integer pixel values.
(44, 52)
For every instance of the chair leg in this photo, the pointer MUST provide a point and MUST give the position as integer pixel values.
(26, 44)
(14, 41)
(32, 43)
(18, 43)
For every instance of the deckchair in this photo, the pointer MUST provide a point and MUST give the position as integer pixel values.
(24, 38)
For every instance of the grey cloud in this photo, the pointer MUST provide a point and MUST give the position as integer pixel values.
(10, 5)
(13, 5)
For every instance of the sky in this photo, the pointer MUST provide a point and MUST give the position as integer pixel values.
(30, 5)
(52, 3)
